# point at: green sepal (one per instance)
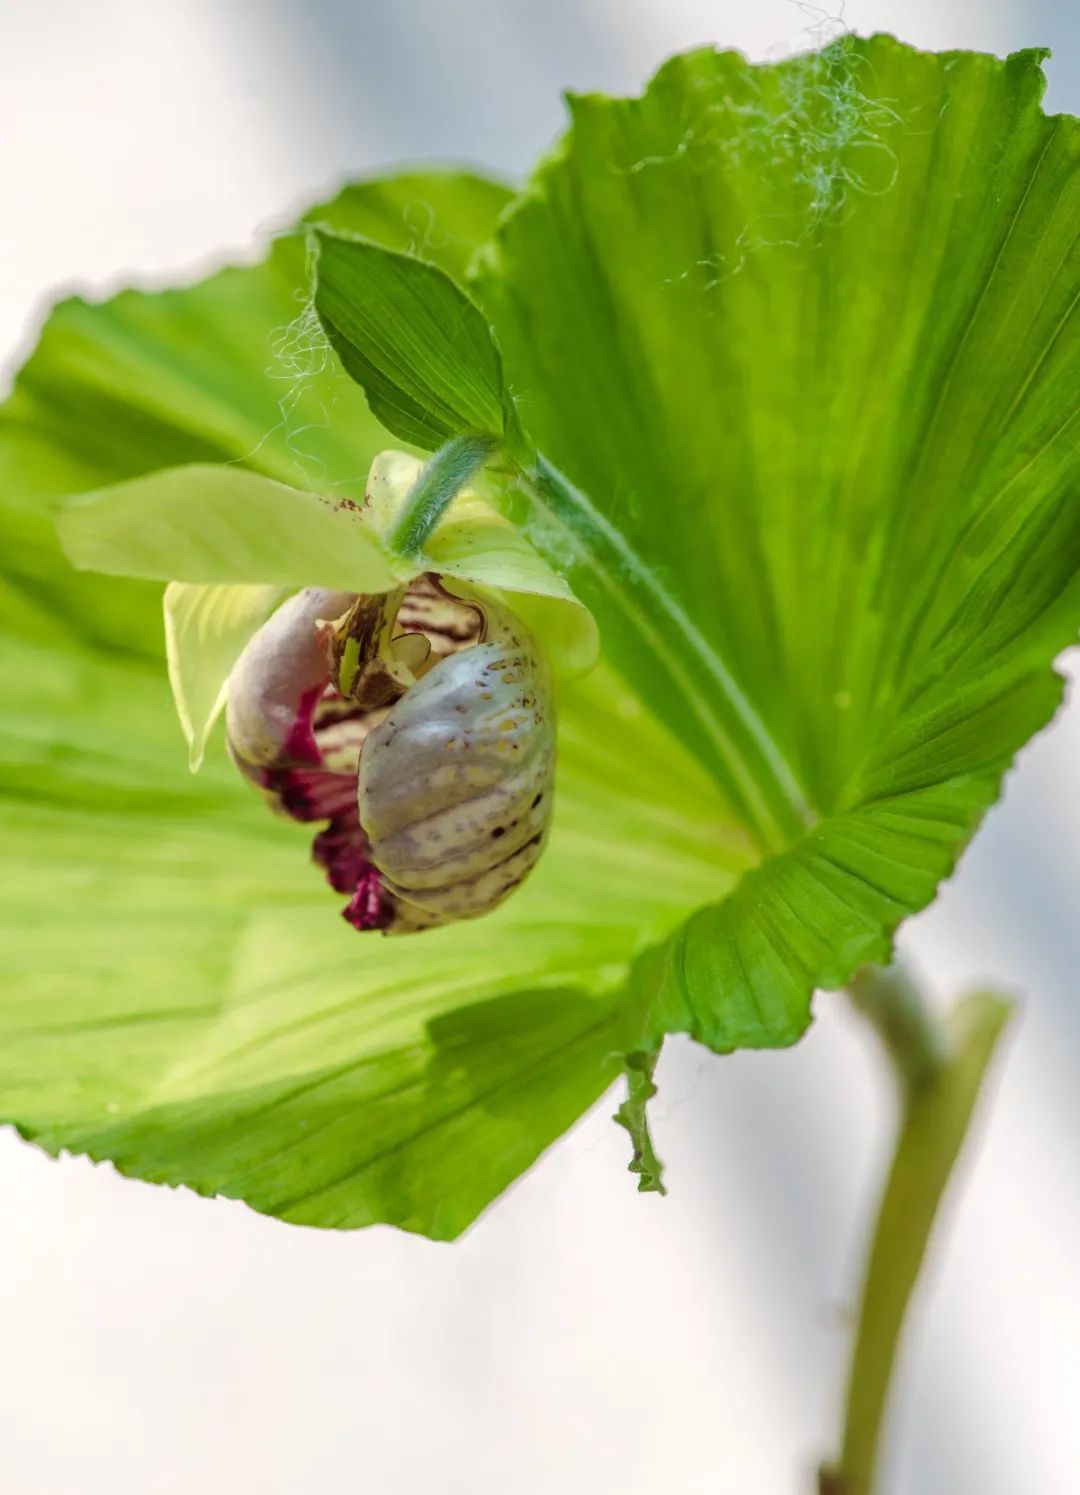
(214, 525)
(206, 629)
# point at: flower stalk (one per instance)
(442, 478)
(940, 1066)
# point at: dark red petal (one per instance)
(370, 907)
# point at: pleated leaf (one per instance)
(805, 340)
(179, 994)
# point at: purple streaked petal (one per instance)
(279, 679)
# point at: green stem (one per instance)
(441, 480)
(914, 1036)
(940, 1067)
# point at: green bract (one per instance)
(783, 362)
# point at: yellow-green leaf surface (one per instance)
(180, 995)
(182, 998)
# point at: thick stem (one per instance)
(940, 1067)
(441, 480)
(914, 1035)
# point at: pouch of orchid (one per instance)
(430, 752)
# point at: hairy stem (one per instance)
(441, 480)
(940, 1067)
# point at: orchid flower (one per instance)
(434, 801)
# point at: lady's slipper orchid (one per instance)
(412, 717)
(455, 780)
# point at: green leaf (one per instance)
(206, 629)
(440, 216)
(800, 346)
(181, 998)
(411, 338)
(179, 994)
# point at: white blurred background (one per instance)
(581, 1338)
